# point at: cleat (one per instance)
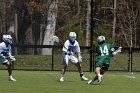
(83, 78)
(11, 78)
(90, 81)
(99, 81)
(61, 79)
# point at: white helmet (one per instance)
(72, 37)
(101, 38)
(7, 39)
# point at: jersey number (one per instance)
(104, 51)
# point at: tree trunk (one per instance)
(88, 21)
(114, 23)
(50, 27)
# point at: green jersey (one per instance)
(104, 54)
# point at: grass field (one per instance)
(48, 82)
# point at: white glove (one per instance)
(79, 59)
(117, 51)
(12, 58)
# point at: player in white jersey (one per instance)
(5, 55)
(71, 52)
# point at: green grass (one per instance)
(48, 82)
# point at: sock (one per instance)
(100, 76)
(81, 74)
(61, 75)
(10, 76)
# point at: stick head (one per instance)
(55, 39)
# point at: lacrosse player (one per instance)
(5, 55)
(104, 52)
(71, 52)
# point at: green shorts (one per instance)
(102, 65)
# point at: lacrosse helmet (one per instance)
(72, 37)
(101, 39)
(7, 39)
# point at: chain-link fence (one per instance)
(126, 61)
(24, 61)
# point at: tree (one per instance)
(50, 27)
(127, 14)
(6, 16)
(88, 21)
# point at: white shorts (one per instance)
(67, 58)
(3, 60)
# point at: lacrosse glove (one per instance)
(79, 59)
(12, 58)
(117, 51)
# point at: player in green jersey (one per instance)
(104, 52)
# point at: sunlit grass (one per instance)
(48, 82)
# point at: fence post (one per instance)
(91, 39)
(94, 60)
(130, 60)
(52, 59)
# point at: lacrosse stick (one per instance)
(56, 39)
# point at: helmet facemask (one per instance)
(72, 40)
(72, 37)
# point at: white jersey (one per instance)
(5, 49)
(71, 48)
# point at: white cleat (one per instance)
(11, 78)
(61, 79)
(83, 78)
(90, 82)
(99, 81)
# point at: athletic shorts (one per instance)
(102, 65)
(67, 58)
